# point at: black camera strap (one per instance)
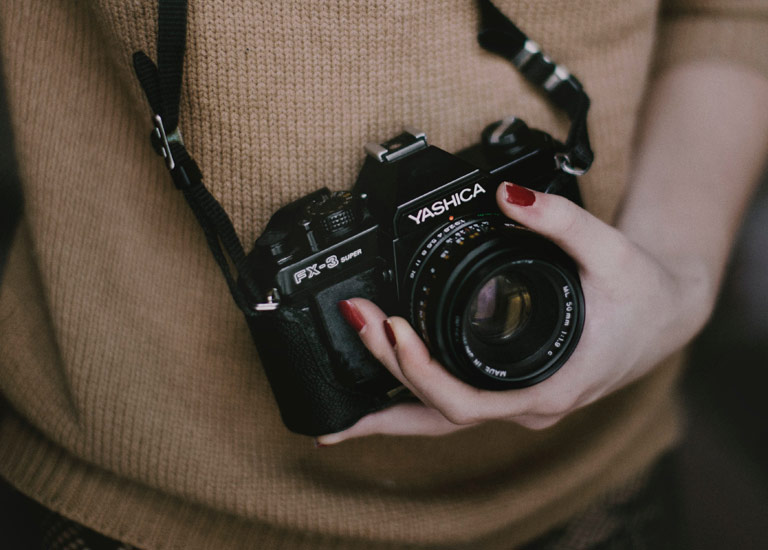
(500, 36)
(162, 85)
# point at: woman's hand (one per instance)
(638, 310)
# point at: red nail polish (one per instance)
(519, 195)
(319, 445)
(351, 315)
(390, 333)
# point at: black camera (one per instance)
(420, 235)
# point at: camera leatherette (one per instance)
(298, 368)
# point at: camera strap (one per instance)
(162, 86)
(500, 36)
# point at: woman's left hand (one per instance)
(639, 309)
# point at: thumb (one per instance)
(582, 236)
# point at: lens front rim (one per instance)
(438, 311)
(551, 336)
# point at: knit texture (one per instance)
(136, 402)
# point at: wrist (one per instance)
(694, 284)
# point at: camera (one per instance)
(420, 235)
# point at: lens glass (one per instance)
(500, 309)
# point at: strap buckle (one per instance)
(529, 49)
(162, 142)
(537, 67)
(558, 76)
(183, 169)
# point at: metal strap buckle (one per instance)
(530, 48)
(558, 76)
(164, 141)
(539, 68)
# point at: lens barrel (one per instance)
(498, 305)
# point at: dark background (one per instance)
(723, 461)
(724, 458)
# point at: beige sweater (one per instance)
(137, 404)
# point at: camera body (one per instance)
(420, 235)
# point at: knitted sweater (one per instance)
(136, 402)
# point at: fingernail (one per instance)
(351, 315)
(518, 195)
(319, 445)
(390, 333)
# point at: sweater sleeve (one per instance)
(732, 30)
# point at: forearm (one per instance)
(701, 145)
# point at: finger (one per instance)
(366, 317)
(404, 419)
(582, 236)
(460, 403)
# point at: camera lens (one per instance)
(498, 305)
(500, 309)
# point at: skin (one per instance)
(650, 281)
